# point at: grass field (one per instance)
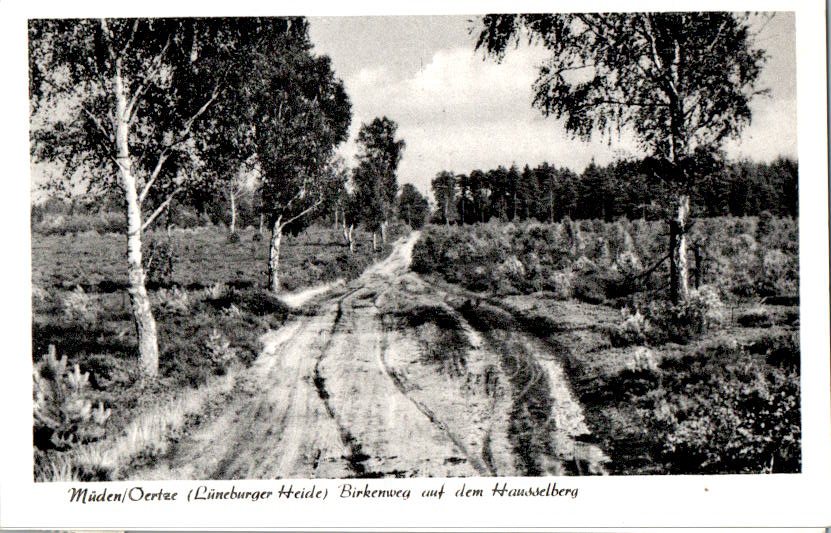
(210, 308)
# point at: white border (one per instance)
(628, 501)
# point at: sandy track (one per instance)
(348, 392)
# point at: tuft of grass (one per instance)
(440, 335)
(147, 435)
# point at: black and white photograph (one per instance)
(539, 246)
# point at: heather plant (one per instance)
(756, 317)
(687, 319)
(63, 412)
(643, 360)
(216, 291)
(560, 283)
(738, 417)
(175, 300)
(220, 353)
(39, 293)
(80, 306)
(632, 331)
(777, 275)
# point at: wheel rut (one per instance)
(354, 388)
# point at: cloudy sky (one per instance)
(457, 111)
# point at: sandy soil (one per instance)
(348, 391)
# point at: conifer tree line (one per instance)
(548, 193)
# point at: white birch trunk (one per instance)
(139, 302)
(233, 228)
(274, 257)
(679, 265)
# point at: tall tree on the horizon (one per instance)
(682, 82)
(379, 154)
(412, 206)
(444, 191)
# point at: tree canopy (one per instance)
(681, 81)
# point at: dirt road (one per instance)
(390, 376)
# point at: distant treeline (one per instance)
(621, 189)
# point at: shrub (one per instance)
(632, 331)
(643, 360)
(39, 293)
(780, 350)
(175, 300)
(63, 413)
(216, 291)
(687, 319)
(79, 306)
(778, 275)
(730, 413)
(220, 352)
(560, 283)
(758, 317)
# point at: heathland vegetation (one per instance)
(205, 148)
(710, 384)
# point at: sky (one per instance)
(457, 110)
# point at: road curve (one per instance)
(355, 387)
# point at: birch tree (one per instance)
(445, 192)
(119, 100)
(681, 82)
(378, 158)
(300, 112)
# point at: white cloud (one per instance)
(459, 112)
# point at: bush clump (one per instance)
(78, 306)
(727, 411)
(220, 352)
(158, 259)
(632, 331)
(63, 412)
(687, 319)
(758, 317)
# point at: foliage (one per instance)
(595, 261)
(717, 406)
(174, 300)
(633, 329)
(662, 74)
(412, 206)
(685, 320)
(375, 176)
(80, 306)
(299, 111)
(755, 318)
(738, 416)
(624, 188)
(444, 191)
(159, 260)
(63, 412)
(220, 353)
